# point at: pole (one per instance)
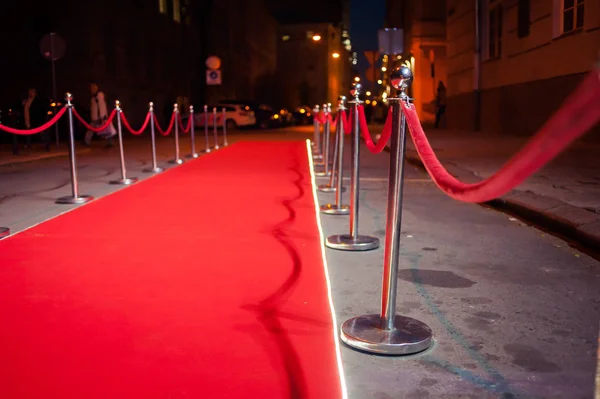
(354, 241)
(192, 122)
(215, 131)
(177, 160)
(206, 144)
(388, 333)
(318, 155)
(4, 232)
(326, 143)
(123, 180)
(154, 168)
(331, 186)
(52, 34)
(225, 143)
(75, 198)
(338, 208)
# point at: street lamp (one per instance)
(356, 79)
(316, 38)
(335, 55)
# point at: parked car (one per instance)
(236, 115)
(266, 115)
(302, 115)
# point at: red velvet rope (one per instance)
(171, 124)
(189, 124)
(95, 129)
(385, 134)
(128, 126)
(37, 129)
(579, 113)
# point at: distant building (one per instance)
(136, 52)
(243, 33)
(312, 71)
(533, 54)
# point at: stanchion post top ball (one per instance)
(206, 108)
(401, 78)
(151, 104)
(191, 109)
(69, 98)
(175, 108)
(356, 91)
(316, 108)
(342, 103)
(118, 105)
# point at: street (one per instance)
(514, 311)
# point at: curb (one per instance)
(40, 157)
(545, 219)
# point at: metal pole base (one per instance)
(193, 156)
(178, 161)
(153, 170)
(125, 182)
(345, 242)
(323, 174)
(206, 151)
(4, 232)
(326, 188)
(226, 144)
(216, 147)
(318, 157)
(333, 209)
(82, 199)
(365, 333)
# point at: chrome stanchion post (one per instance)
(206, 144)
(123, 180)
(75, 198)
(388, 333)
(4, 232)
(225, 143)
(336, 183)
(215, 130)
(331, 186)
(192, 123)
(177, 159)
(154, 168)
(318, 155)
(354, 241)
(326, 143)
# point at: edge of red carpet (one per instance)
(336, 337)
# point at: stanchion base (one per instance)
(125, 182)
(226, 144)
(365, 333)
(193, 156)
(153, 170)
(326, 188)
(216, 147)
(177, 161)
(82, 199)
(333, 209)
(4, 232)
(345, 242)
(207, 150)
(323, 174)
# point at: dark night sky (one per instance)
(366, 17)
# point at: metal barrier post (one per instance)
(336, 184)
(388, 333)
(326, 143)
(4, 232)
(206, 144)
(354, 241)
(75, 198)
(215, 131)
(225, 143)
(318, 155)
(123, 180)
(154, 168)
(178, 160)
(192, 123)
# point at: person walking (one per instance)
(99, 116)
(440, 101)
(35, 112)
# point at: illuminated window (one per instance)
(162, 6)
(176, 11)
(285, 38)
(572, 15)
(495, 29)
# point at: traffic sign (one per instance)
(52, 47)
(213, 77)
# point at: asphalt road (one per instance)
(513, 310)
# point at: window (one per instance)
(285, 38)
(162, 6)
(572, 15)
(495, 29)
(176, 11)
(524, 18)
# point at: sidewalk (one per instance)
(34, 153)
(563, 197)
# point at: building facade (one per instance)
(312, 71)
(512, 63)
(137, 52)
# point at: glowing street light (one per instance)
(383, 69)
(368, 93)
(316, 38)
(356, 79)
(379, 81)
(335, 55)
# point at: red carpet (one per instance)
(204, 282)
